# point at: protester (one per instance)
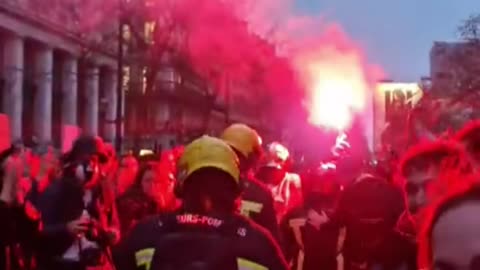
(202, 207)
(79, 227)
(206, 233)
(20, 222)
(307, 228)
(126, 174)
(369, 210)
(450, 239)
(284, 185)
(151, 194)
(469, 137)
(426, 173)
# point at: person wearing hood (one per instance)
(21, 223)
(79, 226)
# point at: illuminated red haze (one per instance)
(337, 80)
(216, 37)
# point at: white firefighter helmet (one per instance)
(277, 155)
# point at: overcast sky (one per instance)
(397, 34)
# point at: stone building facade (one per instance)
(179, 106)
(178, 109)
(55, 74)
(50, 78)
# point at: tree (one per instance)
(212, 41)
(441, 115)
(469, 30)
(163, 42)
(466, 61)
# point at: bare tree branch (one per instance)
(470, 28)
(466, 61)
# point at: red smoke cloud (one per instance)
(332, 69)
(320, 66)
(216, 41)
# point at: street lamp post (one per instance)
(120, 120)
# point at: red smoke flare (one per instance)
(332, 69)
(337, 79)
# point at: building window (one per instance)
(144, 80)
(127, 34)
(149, 28)
(469, 52)
(443, 75)
(126, 79)
(440, 50)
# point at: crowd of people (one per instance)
(231, 203)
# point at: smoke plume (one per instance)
(281, 59)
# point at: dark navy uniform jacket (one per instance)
(181, 241)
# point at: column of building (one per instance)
(13, 60)
(91, 95)
(111, 105)
(13, 54)
(69, 90)
(43, 77)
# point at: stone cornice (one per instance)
(18, 21)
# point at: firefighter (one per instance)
(206, 233)
(257, 200)
(285, 186)
(308, 228)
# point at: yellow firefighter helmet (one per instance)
(207, 152)
(244, 139)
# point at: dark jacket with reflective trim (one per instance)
(186, 241)
(257, 204)
(307, 247)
